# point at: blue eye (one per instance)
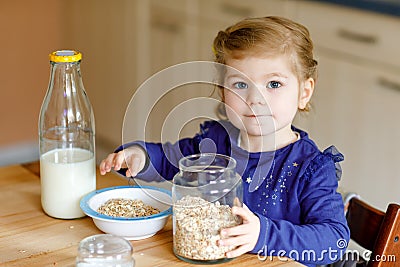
(274, 85)
(240, 85)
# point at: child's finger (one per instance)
(135, 166)
(119, 161)
(102, 167)
(243, 212)
(234, 241)
(236, 230)
(128, 173)
(108, 162)
(240, 250)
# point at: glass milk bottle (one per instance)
(203, 193)
(66, 139)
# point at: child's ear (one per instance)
(306, 92)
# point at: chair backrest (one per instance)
(376, 231)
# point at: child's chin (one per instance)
(260, 131)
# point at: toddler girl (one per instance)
(291, 207)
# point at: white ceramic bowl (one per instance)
(129, 228)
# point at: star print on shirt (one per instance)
(248, 180)
(276, 188)
(270, 179)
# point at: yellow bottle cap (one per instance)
(65, 56)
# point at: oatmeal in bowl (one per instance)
(133, 212)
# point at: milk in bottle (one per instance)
(66, 139)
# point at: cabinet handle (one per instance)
(166, 26)
(356, 36)
(384, 82)
(235, 10)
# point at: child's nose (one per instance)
(255, 96)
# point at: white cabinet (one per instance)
(355, 108)
(216, 15)
(356, 103)
(360, 35)
(171, 40)
(105, 33)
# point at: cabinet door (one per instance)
(168, 41)
(354, 32)
(355, 108)
(103, 32)
(217, 15)
(231, 11)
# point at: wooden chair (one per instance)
(376, 231)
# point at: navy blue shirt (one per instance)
(292, 190)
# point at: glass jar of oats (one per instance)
(204, 191)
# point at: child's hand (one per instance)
(243, 236)
(133, 158)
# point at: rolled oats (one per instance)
(197, 226)
(129, 208)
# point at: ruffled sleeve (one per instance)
(331, 154)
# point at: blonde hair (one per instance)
(268, 36)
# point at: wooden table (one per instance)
(28, 237)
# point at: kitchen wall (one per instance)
(30, 30)
(33, 29)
